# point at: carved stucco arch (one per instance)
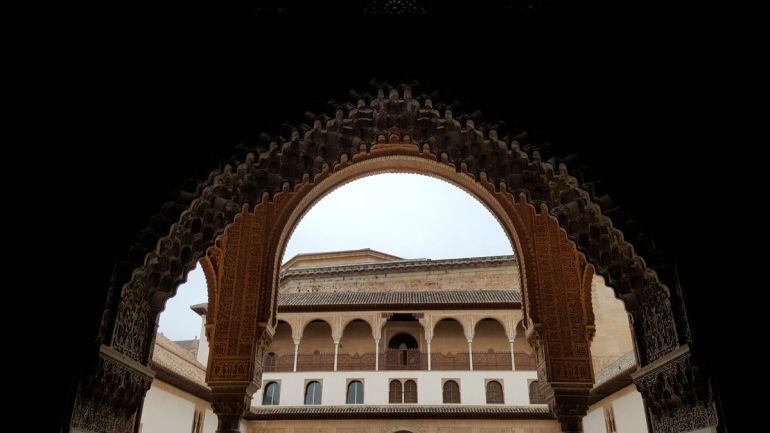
(184, 231)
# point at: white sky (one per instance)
(407, 215)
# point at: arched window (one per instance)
(494, 392)
(313, 393)
(394, 396)
(410, 391)
(355, 392)
(272, 394)
(451, 392)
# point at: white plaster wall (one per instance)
(629, 413)
(593, 422)
(210, 421)
(376, 386)
(164, 412)
(203, 344)
(628, 408)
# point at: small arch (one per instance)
(272, 394)
(402, 341)
(395, 393)
(355, 393)
(451, 392)
(489, 335)
(495, 392)
(410, 391)
(357, 337)
(316, 337)
(459, 322)
(313, 392)
(449, 337)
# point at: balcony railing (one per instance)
(403, 359)
(400, 359)
(364, 362)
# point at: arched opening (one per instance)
(280, 353)
(491, 349)
(403, 352)
(396, 392)
(272, 394)
(316, 349)
(355, 394)
(402, 342)
(356, 350)
(313, 392)
(449, 346)
(451, 391)
(494, 392)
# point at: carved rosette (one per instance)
(108, 399)
(677, 395)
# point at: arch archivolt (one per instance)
(239, 221)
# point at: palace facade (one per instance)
(368, 342)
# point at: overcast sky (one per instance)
(407, 215)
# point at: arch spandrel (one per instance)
(272, 185)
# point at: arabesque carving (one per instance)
(560, 229)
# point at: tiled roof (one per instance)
(406, 265)
(399, 411)
(480, 298)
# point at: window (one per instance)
(272, 394)
(609, 419)
(494, 392)
(395, 394)
(313, 393)
(410, 391)
(451, 392)
(355, 392)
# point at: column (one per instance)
(336, 349)
(296, 352)
(513, 362)
(429, 355)
(376, 354)
(470, 353)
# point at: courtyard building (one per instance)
(368, 342)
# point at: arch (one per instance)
(440, 318)
(450, 391)
(410, 391)
(494, 392)
(448, 338)
(272, 394)
(313, 392)
(395, 391)
(402, 340)
(355, 392)
(493, 336)
(557, 229)
(316, 338)
(357, 337)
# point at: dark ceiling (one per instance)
(643, 113)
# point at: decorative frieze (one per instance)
(108, 400)
(676, 394)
